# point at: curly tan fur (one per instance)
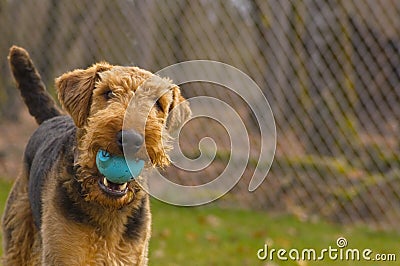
(57, 213)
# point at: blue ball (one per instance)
(117, 169)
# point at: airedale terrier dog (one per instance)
(62, 209)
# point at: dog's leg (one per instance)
(18, 228)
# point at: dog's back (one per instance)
(50, 141)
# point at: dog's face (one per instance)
(97, 100)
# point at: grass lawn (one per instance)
(209, 235)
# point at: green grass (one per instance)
(5, 187)
(209, 235)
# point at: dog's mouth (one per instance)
(113, 189)
(117, 172)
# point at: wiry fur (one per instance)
(31, 87)
(56, 213)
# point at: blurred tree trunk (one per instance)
(276, 48)
(141, 21)
(9, 101)
(45, 62)
(330, 84)
(295, 103)
(178, 33)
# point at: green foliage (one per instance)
(324, 165)
(378, 158)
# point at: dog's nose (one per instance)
(130, 142)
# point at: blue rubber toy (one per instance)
(117, 169)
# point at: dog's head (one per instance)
(119, 109)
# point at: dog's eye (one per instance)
(108, 94)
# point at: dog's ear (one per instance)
(75, 91)
(179, 112)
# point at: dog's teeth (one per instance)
(105, 182)
(123, 186)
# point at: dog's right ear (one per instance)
(75, 91)
(179, 112)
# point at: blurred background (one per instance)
(329, 69)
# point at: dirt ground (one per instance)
(15, 135)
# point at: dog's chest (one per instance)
(98, 250)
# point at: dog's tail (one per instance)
(40, 104)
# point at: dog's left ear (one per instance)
(179, 112)
(75, 91)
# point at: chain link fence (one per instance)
(329, 69)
